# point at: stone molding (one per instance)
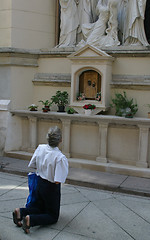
(120, 51)
(52, 79)
(132, 81)
(16, 57)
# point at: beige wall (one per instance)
(28, 24)
(5, 23)
(121, 66)
(54, 65)
(21, 87)
(131, 66)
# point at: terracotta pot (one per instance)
(45, 110)
(33, 109)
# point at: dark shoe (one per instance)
(16, 220)
(25, 225)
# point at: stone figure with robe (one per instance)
(96, 22)
(69, 23)
(74, 13)
(104, 32)
(131, 22)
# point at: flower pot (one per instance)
(88, 112)
(45, 109)
(33, 109)
(61, 108)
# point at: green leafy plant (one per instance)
(61, 98)
(80, 96)
(124, 107)
(70, 110)
(98, 96)
(33, 107)
(46, 103)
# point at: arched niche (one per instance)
(89, 84)
(91, 74)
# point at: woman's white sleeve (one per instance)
(61, 170)
(32, 163)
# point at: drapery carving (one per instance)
(103, 22)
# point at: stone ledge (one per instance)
(5, 105)
(106, 119)
(120, 51)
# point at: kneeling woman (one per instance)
(52, 168)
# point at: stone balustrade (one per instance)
(102, 138)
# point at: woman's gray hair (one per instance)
(54, 136)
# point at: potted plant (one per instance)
(60, 99)
(33, 107)
(80, 96)
(98, 96)
(70, 110)
(88, 108)
(46, 105)
(124, 107)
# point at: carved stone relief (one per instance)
(104, 23)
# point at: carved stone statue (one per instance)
(87, 14)
(104, 31)
(96, 22)
(111, 38)
(93, 32)
(69, 23)
(131, 22)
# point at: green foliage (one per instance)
(46, 103)
(61, 98)
(70, 110)
(124, 107)
(33, 107)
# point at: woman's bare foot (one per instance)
(17, 217)
(26, 224)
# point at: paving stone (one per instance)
(92, 222)
(128, 220)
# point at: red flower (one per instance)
(89, 106)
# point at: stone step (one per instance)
(92, 165)
(19, 155)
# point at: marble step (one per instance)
(92, 165)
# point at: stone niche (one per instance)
(91, 74)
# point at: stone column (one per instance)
(143, 147)
(103, 131)
(66, 123)
(32, 133)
